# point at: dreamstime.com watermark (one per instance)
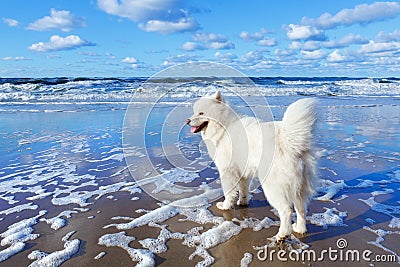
(338, 254)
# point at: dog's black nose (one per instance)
(187, 121)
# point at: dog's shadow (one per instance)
(357, 210)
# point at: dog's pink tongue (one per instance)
(194, 128)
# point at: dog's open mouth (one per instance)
(196, 129)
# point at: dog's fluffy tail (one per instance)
(295, 133)
(295, 142)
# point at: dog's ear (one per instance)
(218, 96)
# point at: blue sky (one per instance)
(125, 38)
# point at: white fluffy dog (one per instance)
(279, 153)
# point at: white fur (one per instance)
(280, 154)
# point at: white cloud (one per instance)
(208, 41)
(337, 57)
(89, 54)
(312, 55)
(58, 43)
(259, 37)
(165, 16)
(224, 57)
(353, 39)
(253, 57)
(250, 37)
(282, 53)
(140, 10)
(58, 20)
(130, 60)
(307, 46)
(110, 55)
(209, 37)
(166, 27)
(178, 59)
(360, 14)
(267, 42)
(388, 37)
(133, 63)
(350, 39)
(304, 32)
(11, 22)
(221, 45)
(373, 47)
(14, 58)
(191, 46)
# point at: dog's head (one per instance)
(206, 110)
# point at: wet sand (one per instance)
(230, 253)
(351, 149)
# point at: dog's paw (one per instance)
(300, 229)
(242, 202)
(222, 206)
(280, 238)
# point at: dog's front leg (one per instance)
(243, 191)
(230, 191)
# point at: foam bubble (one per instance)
(19, 208)
(382, 208)
(331, 217)
(395, 222)
(144, 257)
(168, 211)
(100, 255)
(56, 258)
(329, 189)
(55, 222)
(246, 260)
(380, 233)
(382, 192)
(11, 250)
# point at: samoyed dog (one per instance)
(278, 153)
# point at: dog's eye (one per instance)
(201, 113)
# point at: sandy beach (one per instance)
(70, 196)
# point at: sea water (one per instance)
(62, 142)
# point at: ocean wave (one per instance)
(99, 90)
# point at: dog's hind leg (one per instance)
(243, 191)
(279, 199)
(300, 225)
(285, 228)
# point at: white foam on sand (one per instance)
(382, 208)
(215, 236)
(19, 208)
(143, 256)
(17, 234)
(55, 258)
(329, 189)
(256, 224)
(170, 210)
(55, 222)
(100, 255)
(331, 217)
(11, 250)
(158, 245)
(381, 234)
(382, 192)
(167, 180)
(208, 239)
(246, 260)
(395, 222)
